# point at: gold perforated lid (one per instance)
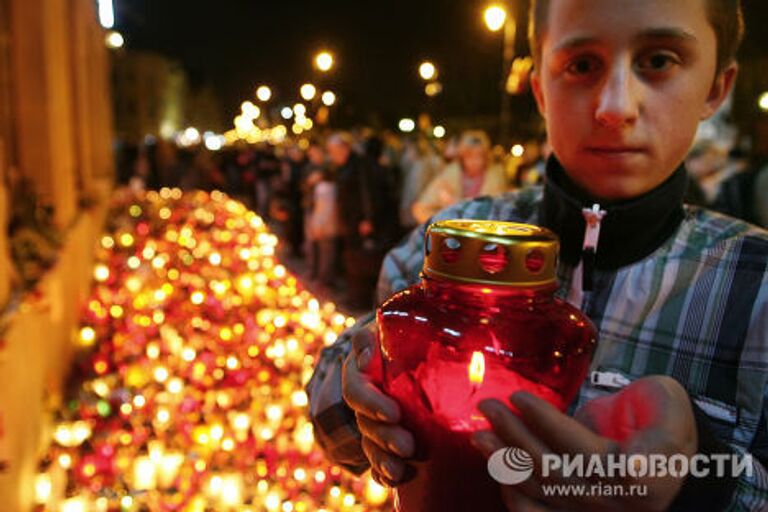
(491, 252)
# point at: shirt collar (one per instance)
(630, 230)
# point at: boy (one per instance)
(679, 294)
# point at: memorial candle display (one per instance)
(187, 391)
(482, 323)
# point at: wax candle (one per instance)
(144, 474)
(168, 468)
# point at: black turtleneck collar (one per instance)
(631, 229)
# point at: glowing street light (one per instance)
(214, 142)
(433, 89)
(190, 137)
(438, 131)
(517, 150)
(114, 39)
(324, 61)
(300, 110)
(495, 16)
(250, 110)
(308, 91)
(106, 13)
(427, 70)
(286, 113)
(328, 98)
(763, 102)
(407, 125)
(263, 93)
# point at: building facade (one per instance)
(55, 154)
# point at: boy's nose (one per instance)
(618, 103)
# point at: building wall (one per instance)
(56, 132)
(5, 132)
(152, 96)
(204, 110)
(150, 92)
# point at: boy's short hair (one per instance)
(725, 16)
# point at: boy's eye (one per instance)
(581, 66)
(657, 62)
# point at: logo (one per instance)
(510, 466)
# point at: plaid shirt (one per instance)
(696, 309)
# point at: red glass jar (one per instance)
(483, 322)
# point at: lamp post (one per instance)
(762, 102)
(308, 91)
(427, 71)
(324, 61)
(497, 18)
(264, 93)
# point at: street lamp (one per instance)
(427, 71)
(250, 110)
(308, 91)
(324, 61)
(106, 13)
(299, 110)
(114, 39)
(496, 18)
(263, 93)
(433, 89)
(329, 98)
(407, 125)
(763, 102)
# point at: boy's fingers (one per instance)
(381, 479)
(392, 468)
(510, 429)
(363, 341)
(365, 398)
(487, 442)
(559, 432)
(387, 436)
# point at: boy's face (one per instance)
(622, 85)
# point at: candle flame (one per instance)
(477, 368)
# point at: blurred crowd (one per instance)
(341, 201)
(730, 180)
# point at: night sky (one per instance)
(235, 45)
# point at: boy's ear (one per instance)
(537, 94)
(720, 88)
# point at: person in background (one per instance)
(705, 164)
(267, 168)
(471, 175)
(292, 169)
(420, 164)
(761, 196)
(323, 227)
(355, 192)
(736, 193)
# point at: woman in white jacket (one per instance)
(323, 228)
(470, 176)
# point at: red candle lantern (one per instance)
(483, 322)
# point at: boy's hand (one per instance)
(652, 415)
(384, 442)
